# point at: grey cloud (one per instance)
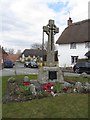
(16, 43)
(10, 22)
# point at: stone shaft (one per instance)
(51, 30)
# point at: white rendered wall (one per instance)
(65, 53)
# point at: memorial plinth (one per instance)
(50, 74)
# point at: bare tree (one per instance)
(9, 50)
(18, 52)
(36, 46)
(39, 46)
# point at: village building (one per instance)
(37, 55)
(74, 43)
(13, 57)
(3, 55)
(7, 56)
(32, 54)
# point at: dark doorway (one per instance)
(52, 75)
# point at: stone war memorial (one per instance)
(51, 72)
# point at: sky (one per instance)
(21, 21)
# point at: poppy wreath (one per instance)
(47, 87)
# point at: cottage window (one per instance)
(73, 46)
(74, 59)
(87, 44)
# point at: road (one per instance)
(19, 69)
(26, 71)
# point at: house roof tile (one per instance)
(33, 52)
(37, 52)
(75, 33)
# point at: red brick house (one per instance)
(13, 57)
(3, 55)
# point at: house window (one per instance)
(73, 46)
(87, 44)
(74, 59)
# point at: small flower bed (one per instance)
(67, 90)
(24, 87)
(26, 83)
(26, 90)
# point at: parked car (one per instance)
(31, 64)
(82, 67)
(8, 64)
(26, 64)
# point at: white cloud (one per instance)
(89, 9)
(22, 20)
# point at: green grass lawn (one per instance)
(77, 78)
(63, 106)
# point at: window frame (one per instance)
(87, 44)
(74, 59)
(73, 45)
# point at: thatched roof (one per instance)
(33, 52)
(37, 52)
(75, 33)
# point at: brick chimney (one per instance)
(69, 22)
